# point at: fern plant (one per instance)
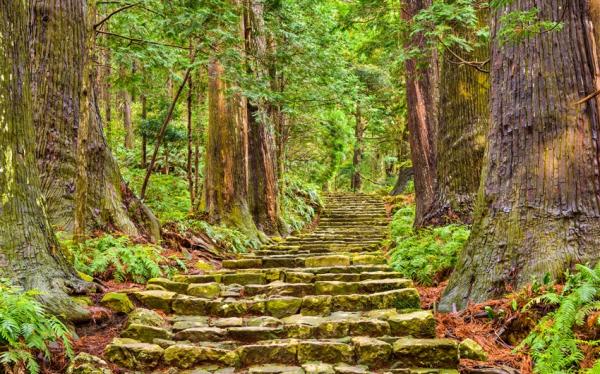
(425, 254)
(26, 329)
(110, 257)
(553, 343)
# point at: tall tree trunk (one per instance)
(422, 100)
(359, 132)
(127, 125)
(263, 186)
(538, 208)
(190, 137)
(463, 123)
(58, 37)
(225, 197)
(29, 253)
(144, 138)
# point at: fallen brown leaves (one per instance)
(474, 323)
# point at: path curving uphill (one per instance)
(321, 302)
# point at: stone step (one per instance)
(323, 248)
(279, 306)
(295, 249)
(309, 261)
(371, 352)
(291, 277)
(280, 288)
(335, 241)
(324, 287)
(387, 325)
(341, 236)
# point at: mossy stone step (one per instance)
(371, 352)
(419, 324)
(407, 298)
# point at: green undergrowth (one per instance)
(169, 198)
(118, 258)
(301, 202)
(26, 330)
(427, 255)
(562, 337)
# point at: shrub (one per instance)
(26, 329)
(300, 204)
(554, 343)
(109, 257)
(425, 255)
(230, 239)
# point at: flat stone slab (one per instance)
(426, 353)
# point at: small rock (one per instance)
(336, 288)
(186, 356)
(372, 352)
(85, 363)
(200, 334)
(146, 317)
(145, 334)
(258, 354)
(299, 277)
(368, 260)
(349, 369)
(119, 302)
(228, 322)
(326, 261)
(168, 284)
(246, 263)
(265, 321)
(156, 299)
(205, 290)
(318, 368)
(471, 350)
(282, 307)
(275, 369)
(133, 355)
(316, 305)
(419, 324)
(426, 352)
(244, 278)
(324, 351)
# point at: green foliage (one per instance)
(300, 204)
(554, 344)
(227, 238)
(518, 26)
(26, 329)
(168, 195)
(109, 257)
(426, 254)
(439, 24)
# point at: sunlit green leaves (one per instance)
(520, 25)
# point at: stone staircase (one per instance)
(322, 302)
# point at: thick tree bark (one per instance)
(225, 197)
(405, 174)
(422, 100)
(263, 187)
(30, 256)
(58, 55)
(462, 128)
(538, 210)
(359, 132)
